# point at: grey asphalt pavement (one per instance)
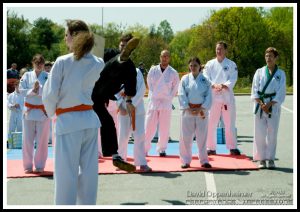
(232, 189)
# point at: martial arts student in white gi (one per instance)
(194, 95)
(112, 108)
(36, 123)
(268, 93)
(67, 94)
(222, 74)
(163, 81)
(15, 103)
(125, 125)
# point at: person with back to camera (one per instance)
(67, 95)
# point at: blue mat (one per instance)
(173, 149)
(16, 154)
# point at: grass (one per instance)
(248, 89)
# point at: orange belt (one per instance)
(30, 106)
(194, 105)
(75, 108)
(197, 106)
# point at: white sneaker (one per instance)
(271, 164)
(262, 164)
(28, 171)
(39, 170)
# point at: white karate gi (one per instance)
(223, 102)
(162, 89)
(35, 122)
(194, 91)
(70, 84)
(265, 128)
(15, 118)
(125, 126)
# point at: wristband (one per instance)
(128, 101)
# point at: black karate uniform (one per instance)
(113, 78)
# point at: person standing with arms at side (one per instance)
(119, 72)
(194, 95)
(15, 103)
(67, 94)
(36, 123)
(125, 125)
(163, 81)
(222, 74)
(268, 93)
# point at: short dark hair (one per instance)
(222, 43)
(195, 59)
(273, 50)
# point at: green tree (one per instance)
(138, 30)
(280, 23)
(18, 36)
(148, 51)
(243, 29)
(47, 38)
(165, 30)
(178, 49)
(43, 34)
(112, 33)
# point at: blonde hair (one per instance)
(38, 58)
(22, 72)
(83, 38)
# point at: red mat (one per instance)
(158, 164)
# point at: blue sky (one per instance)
(180, 16)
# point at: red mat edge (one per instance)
(192, 168)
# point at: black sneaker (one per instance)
(235, 152)
(123, 165)
(211, 152)
(162, 154)
(206, 165)
(185, 166)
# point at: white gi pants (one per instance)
(76, 168)
(154, 118)
(15, 121)
(37, 131)
(191, 126)
(125, 129)
(217, 109)
(265, 134)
